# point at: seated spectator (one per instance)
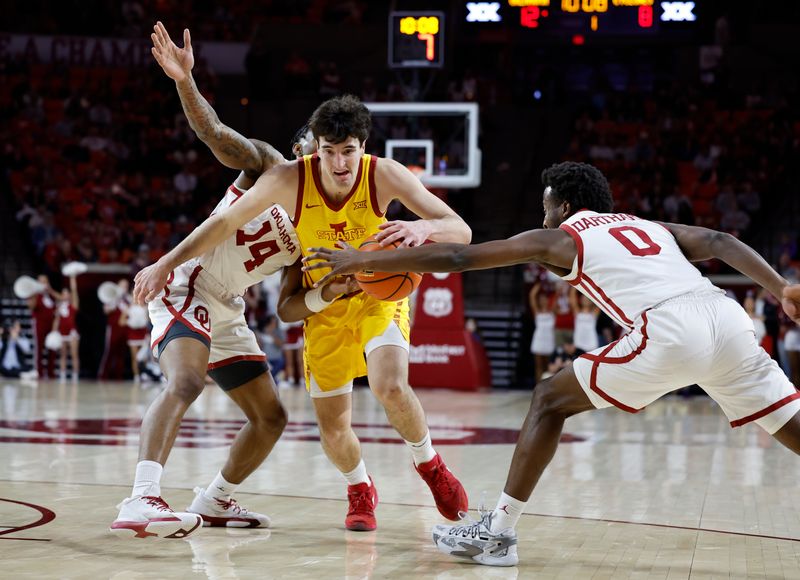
(185, 181)
(297, 72)
(749, 198)
(563, 355)
(330, 82)
(678, 207)
(14, 348)
(735, 220)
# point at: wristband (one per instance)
(314, 300)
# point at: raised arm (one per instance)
(532, 298)
(439, 222)
(73, 291)
(549, 247)
(278, 185)
(573, 301)
(231, 148)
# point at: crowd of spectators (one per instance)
(677, 155)
(94, 177)
(233, 21)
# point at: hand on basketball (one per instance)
(344, 261)
(791, 302)
(148, 283)
(408, 234)
(344, 285)
(176, 62)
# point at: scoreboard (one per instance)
(582, 19)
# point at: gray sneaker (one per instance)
(476, 542)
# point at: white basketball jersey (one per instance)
(626, 265)
(263, 246)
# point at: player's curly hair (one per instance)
(339, 118)
(581, 184)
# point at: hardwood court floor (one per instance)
(672, 492)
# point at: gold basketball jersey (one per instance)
(321, 222)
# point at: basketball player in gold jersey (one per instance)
(341, 193)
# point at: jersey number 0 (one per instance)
(643, 246)
(260, 251)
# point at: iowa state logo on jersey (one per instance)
(340, 231)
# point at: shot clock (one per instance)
(416, 39)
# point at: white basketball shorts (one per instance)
(194, 298)
(705, 339)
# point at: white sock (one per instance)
(220, 488)
(423, 450)
(147, 480)
(506, 514)
(358, 475)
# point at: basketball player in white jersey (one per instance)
(682, 330)
(199, 326)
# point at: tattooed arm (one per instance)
(231, 148)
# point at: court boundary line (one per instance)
(401, 504)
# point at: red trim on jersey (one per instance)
(602, 358)
(301, 187)
(618, 360)
(235, 190)
(599, 303)
(607, 300)
(599, 295)
(233, 359)
(178, 315)
(318, 182)
(763, 412)
(157, 341)
(373, 190)
(579, 243)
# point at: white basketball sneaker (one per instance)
(146, 516)
(476, 541)
(225, 513)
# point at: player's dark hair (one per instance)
(340, 118)
(581, 184)
(301, 132)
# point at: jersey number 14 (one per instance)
(261, 251)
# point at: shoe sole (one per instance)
(466, 552)
(360, 527)
(215, 522)
(171, 528)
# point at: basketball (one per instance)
(389, 286)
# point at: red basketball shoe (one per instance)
(363, 499)
(447, 491)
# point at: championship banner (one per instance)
(443, 352)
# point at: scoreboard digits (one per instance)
(615, 18)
